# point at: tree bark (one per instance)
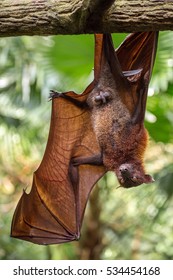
(51, 17)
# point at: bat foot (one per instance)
(102, 98)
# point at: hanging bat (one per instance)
(99, 130)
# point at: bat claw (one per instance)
(54, 94)
(77, 236)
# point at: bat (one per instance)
(90, 133)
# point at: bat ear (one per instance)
(133, 76)
(148, 179)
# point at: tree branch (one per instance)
(51, 17)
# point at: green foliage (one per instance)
(160, 101)
(136, 223)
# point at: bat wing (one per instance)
(53, 211)
(131, 66)
(138, 52)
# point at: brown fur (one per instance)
(122, 142)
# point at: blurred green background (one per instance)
(119, 224)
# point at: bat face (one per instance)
(132, 175)
(99, 130)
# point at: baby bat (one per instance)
(99, 130)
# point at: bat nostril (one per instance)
(123, 169)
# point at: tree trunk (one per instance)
(91, 244)
(51, 17)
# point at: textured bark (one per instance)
(51, 17)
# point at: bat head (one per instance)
(132, 175)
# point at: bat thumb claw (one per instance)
(54, 94)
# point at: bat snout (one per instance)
(124, 170)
